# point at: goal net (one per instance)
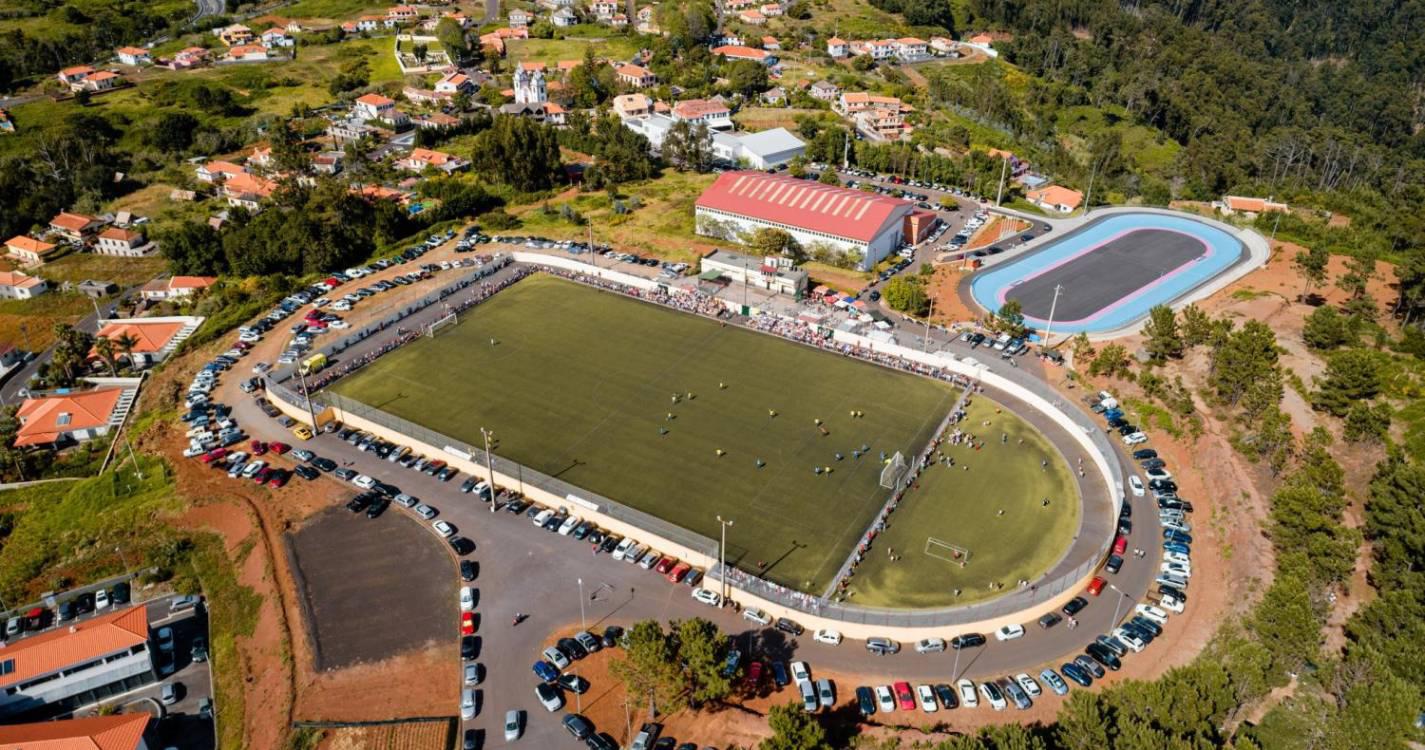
(893, 472)
(439, 325)
(943, 550)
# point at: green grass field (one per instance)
(962, 508)
(580, 384)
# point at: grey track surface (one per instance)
(361, 606)
(1106, 274)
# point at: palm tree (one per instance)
(105, 349)
(127, 342)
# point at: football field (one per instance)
(672, 414)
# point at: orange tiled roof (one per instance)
(76, 70)
(250, 183)
(41, 425)
(192, 282)
(435, 158)
(18, 279)
(31, 244)
(152, 335)
(132, 51)
(103, 75)
(246, 49)
(375, 100)
(695, 108)
(120, 234)
(119, 732)
(71, 222)
(1057, 196)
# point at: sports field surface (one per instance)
(962, 508)
(579, 384)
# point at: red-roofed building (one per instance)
(64, 418)
(1055, 198)
(244, 190)
(753, 17)
(402, 14)
(738, 52)
(247, 52)
(218, 171)
(176, 287)
(853, 221)
(156, 337)
(67, 667)
(422, 158)
(75, 74)
(134, 55)
(20, 285)
(709, 112)
(29, 250)
(74, 227)
(636, 75)
(118, 732)
(1250, 207)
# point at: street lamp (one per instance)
(1117, 606)
(489, 465)
(722, 554)
(1053, 306)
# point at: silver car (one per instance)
(514, 723)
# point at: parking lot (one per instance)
(368, 586)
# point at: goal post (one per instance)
(894, 471)
(440, 324)
(943, 550)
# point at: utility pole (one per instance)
(845, 151)
(1003, 170)
(925, 343)
(722, 555)
(1049, 331)
(490, 466)
(593, 254)
(1088, 199)
(307, 395)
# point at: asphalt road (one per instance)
(524, 569)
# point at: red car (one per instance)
(278, 448)
(467, 623)
(754, 676)
(258, 447)
(1120, 543)
(1096, 585)
(676, 574)
(278, 478)
(262, 475)
(215, 454)
(665, 565)
(905, 699)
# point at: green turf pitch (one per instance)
(963, 508)
(580, 385)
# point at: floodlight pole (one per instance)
(1117, 606)
(1049, 330)
(489, 465)
(925, 343)
(1004, 168)
(722, 555)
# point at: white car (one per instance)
(619, 551)
(1136, 485)
(1171, 604)
(756, 615)
(1136, 438)
(543, 516)
(444, 528)
(363, 481)
(549, 697)
(829, 637)
(885, 702)
(467, 704)
(710, 598)
(968, 697)
(101, 600)
(467, 598)
(568, 525)
(339, 325)
(1129, 640)
(425, 511)
(1029, 684)
(1161, 474)
(994, 695)
(556, 657)
(800, 672)
(927, 699)
(512, 725)
(251, 469)
(1009, 632)
(473, 674)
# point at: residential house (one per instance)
(248, 53)
(565, 66)
(771, 44)
(91, 659)
(176, 287)
(125, 243)
(328, 162)
(190, 57)
(369, 24)
(644, 18)
(1250, 208)
(982, 40)
(423, 96)
(709, 112)
(851, 103)
(618, 21)
(20, 285)
(74, 227)
(134, 56)
(556, 4)
(878, 117)
(116, 732)
(248, 191)
(775, 96)
(636, 75)
(103, 80)
(910, 49)
(154, 338)
(1017, 167)
(349, 27)
(421, 159)
(943, 46)
(277, 37)
(28, 250)
(261, 156)
(374, 107)
(217, 171)
(604, 9)
(752, 17)
(732, 6)
(520, 18)
(739, 52)
(351, 129)
(727, 40)
(63, 418)
(234, 35)
(771, 10)
(74, 76)
(1055, 198)
(402, 14)
(825, 91)
(459, 18)
(563, 18)
(632, 105)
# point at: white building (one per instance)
(125, 243)
(762, 150)
(20, 285)
(530, 87)
(68, 667)
(867, 225)
(770, 273)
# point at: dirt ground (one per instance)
(950, 307)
